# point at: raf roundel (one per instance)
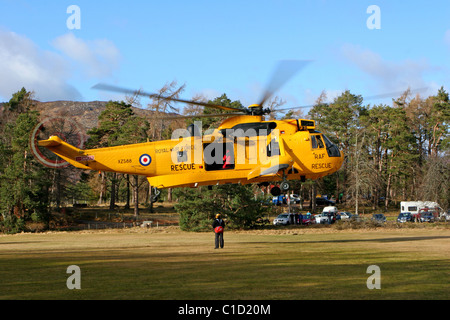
(145, 160)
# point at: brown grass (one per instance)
(283, 263)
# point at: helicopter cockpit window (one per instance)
(317, 142)
(313, 142)
(332, 149)
(320, 143)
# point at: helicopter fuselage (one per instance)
(244, 149)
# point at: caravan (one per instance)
(416, 208)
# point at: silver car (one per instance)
(282, 219)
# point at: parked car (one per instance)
(345, 215)
(445, 216)
(325, 218)
(282, 219)
(322, 218)
(294, 198)
(427, 217)
(308, 219)
(379, 217)
(404, 217)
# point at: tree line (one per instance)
(393, 153)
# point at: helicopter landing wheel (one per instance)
(284, 186)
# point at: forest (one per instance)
(394, 153)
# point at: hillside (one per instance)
(85, 113)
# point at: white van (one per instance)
(331, 209)
(323, 217)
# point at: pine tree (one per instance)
(134, 130)
(340, 120)
(24, 183)
(108, 134)
(439, 122)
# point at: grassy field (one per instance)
(285, 263)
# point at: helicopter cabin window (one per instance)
(218, 156)
(317, 142)
(273, 148)
(182, 156)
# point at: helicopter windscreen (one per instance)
(332, 149)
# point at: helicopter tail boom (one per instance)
(64, 150)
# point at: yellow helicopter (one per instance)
(243, 149)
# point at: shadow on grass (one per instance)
(382, 240)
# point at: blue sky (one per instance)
(217, 47)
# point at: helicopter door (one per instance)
(218, 156)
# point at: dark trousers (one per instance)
(219, 240)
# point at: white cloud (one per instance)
(97, 58)
(388, 76)
(23, 64)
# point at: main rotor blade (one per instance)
(107, 87)
(284, 71)
(203, 116)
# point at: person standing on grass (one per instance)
(218, 226)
